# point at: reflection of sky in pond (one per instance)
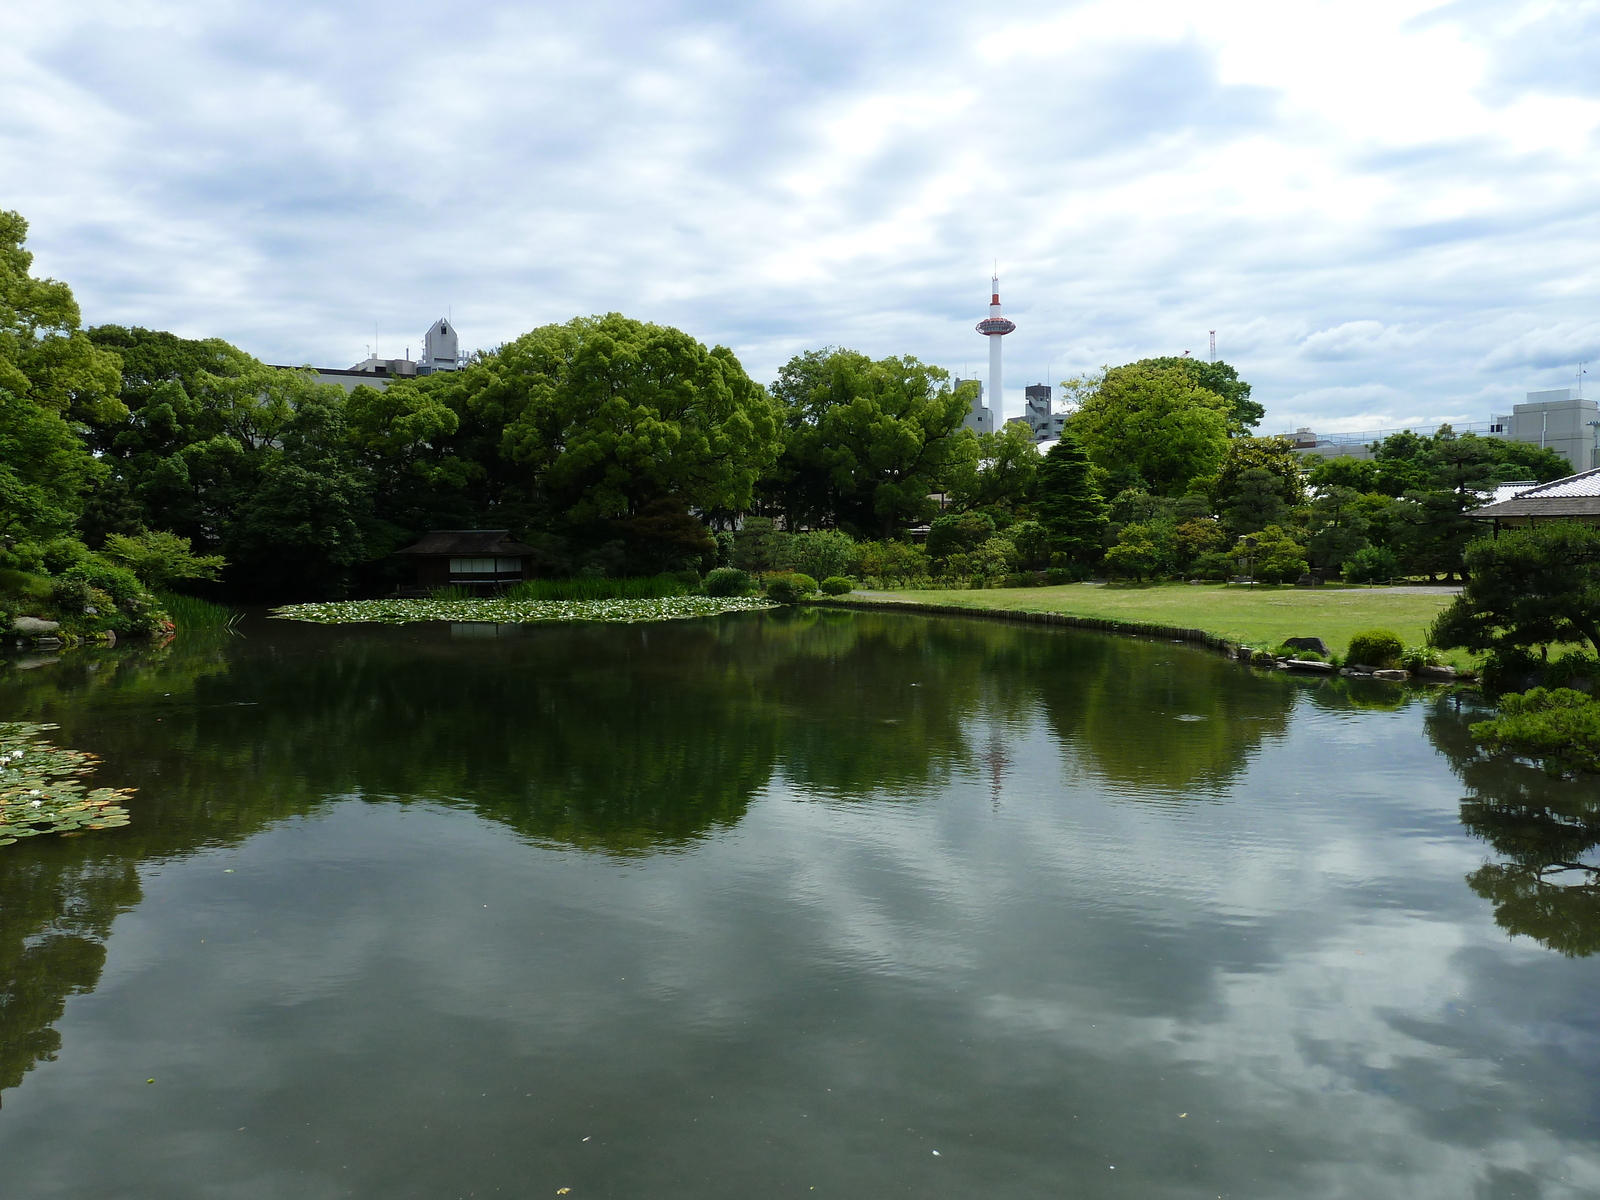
(1032, 956)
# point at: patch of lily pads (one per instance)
(42, 788)
(516, 612)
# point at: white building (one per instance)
(1557, 420)
(441, 351)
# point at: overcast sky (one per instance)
(1387, 209)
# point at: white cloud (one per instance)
(1353, 197)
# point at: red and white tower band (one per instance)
(994, 327)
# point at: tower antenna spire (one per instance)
(994, 327)
(1213, 345)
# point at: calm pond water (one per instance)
(818, 904)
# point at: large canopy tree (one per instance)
(52, 379)
(1243, 413)
(867, 442)
(1155, 423)
(610, 414)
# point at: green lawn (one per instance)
(1263, 616)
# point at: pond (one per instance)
(787, 904)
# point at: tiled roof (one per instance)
(1575, 496)
(468, 542)
(1584, 483)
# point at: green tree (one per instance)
(609, 413)
(1197, 537)
(1158, 422)
(44, 471)
(1337, 527)
(1004, 472)
(1255, 501)
(955, 532)
(866, 442)
(1273, 454)
(1033, 543)
(1528, 587)
(1277, 557)
(45, 357)
(760, 546)
(1143, 549)
(822, 553)
(52, 379)
(161, 559)
(1357, 474)
(1221, 378)
(1066, 502)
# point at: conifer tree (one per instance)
(1066, 501)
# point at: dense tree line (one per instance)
(614, 446)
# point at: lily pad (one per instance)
(513, 612)
(41, 788)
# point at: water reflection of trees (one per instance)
(621, 739)
(1151, 717)
(1542, 828)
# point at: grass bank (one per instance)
(1261, 616)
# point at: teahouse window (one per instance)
(485, 568)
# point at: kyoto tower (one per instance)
(994, 327)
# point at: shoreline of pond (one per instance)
(1227, 647)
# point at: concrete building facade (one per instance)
(980, 417)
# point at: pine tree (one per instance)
(1066, 502)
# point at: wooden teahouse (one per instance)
(477, 558)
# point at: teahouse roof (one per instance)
(1575, 496)
(467, 543)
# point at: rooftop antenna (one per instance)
(1213, 345)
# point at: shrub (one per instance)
(729, 581)
(892, 562)
(1558, 725)
(70, 595)
(1215, 565)
(1375, 648)
(583, 586)
(1296, 652)
(1414, 658)
(837, 585)
(821, 553)
(791, 587)
(1076, 573)
(118, 582)
(25, 585)
(161, 559)
(1021, 579)
(1370, 565)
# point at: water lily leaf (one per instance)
(40, 788)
